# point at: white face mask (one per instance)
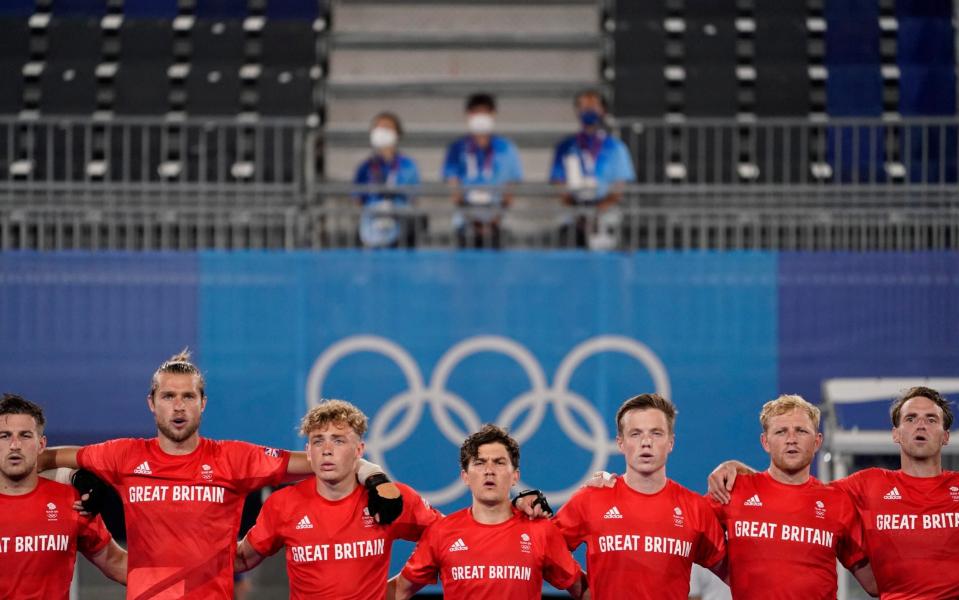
(480, 123)
(383, 137)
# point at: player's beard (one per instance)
(178, 436)
(20, 472)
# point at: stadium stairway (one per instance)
(421, 58)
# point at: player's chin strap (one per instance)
(540, 500)
(385, 500)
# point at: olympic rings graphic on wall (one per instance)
(409, 404)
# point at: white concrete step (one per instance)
(392, 66)
(342, 160)
(426, 17)
(420, 112)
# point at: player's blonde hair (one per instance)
(179, 364)
(788, 403)
(338, 412)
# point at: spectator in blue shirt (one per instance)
(481, 158)
(594, 166)
(385, 221)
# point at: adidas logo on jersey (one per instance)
(613, 513)
(893, 495)
(458, 546)
(754, 501)
(143, 469)
(304, 523)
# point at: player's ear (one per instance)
(764, 441)
(360, 449)
(515, 478)
(818, 441)
(151, 404)
(619, 443)
(43, 443)
(945, 438)
(203, 403)
(463, 477)
(896, 437)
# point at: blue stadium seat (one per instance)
(941, 9)
(306, 10)
(852, 42)
(927, 90)
(79, 8)
(221, 9)
(17, 8)
(854, 90)
(927, 42)
(150, 9)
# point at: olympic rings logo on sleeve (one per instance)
(409, 404)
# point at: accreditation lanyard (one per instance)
(589, 147)
(479, 162)
(382, 172)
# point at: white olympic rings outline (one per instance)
(441, 401)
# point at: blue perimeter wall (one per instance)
(81, 333)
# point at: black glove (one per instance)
(540, 500)
(96, 491)
(384, 510)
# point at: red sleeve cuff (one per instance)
(409, 576)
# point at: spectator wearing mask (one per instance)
(385, 222)
(481, 158)
(594, 166)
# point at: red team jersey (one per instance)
(641, 546)
(334, 549)
(911, 529)
(784, 539)
(40, 534)
(506, 561)
(183, 512)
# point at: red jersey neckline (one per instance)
(311, 483)
(41, 481)
(622, 481)
(154, 446)
(812, 481)
(469, 514)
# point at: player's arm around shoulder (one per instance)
(58, 457)
(112, 561)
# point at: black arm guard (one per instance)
(93, 487)
(540, 500)
(385, 510)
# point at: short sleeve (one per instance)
(92, 536)
(570, 522)
(558, 173)
(263, 535)
(711, 546)
(451, 165)
(417, 515)
(254, 466)
(361, 176)
(560, 569)
(102, 459)
(718, 508)
(851, 548)
(852, 486)
(624, 165)
(515, 173)
(423, 565)
(412, 175)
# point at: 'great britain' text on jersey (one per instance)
(176, 493)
